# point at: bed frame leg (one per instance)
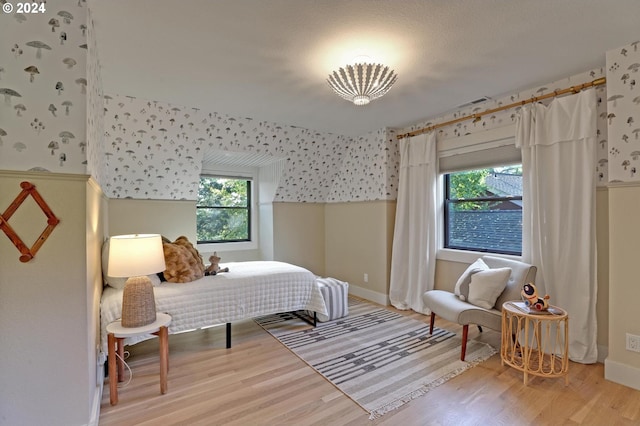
(306, 317)
(228, 335)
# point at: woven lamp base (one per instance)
(138, 302)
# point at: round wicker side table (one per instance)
(535, 342)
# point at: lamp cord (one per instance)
(126, 356)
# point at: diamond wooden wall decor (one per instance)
(27, 253)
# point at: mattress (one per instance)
(248, 290)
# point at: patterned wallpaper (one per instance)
(154, 150)
(507, 117)
(623, 114)
(43, 86)
(369, 170)
(320, 167)
(95, 108)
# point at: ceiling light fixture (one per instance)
(362, 82)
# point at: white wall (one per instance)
(623, 115)
(623, 366)
(169, 218)
(49, 305)
(299, 235)
(358, 241)
(268, 178)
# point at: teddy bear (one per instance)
(214, 268)
(530, 297)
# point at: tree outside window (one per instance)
(223, 210)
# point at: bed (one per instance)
(248, 290)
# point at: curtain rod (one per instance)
(476, 116)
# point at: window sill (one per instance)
(211, 247)
(465, 256)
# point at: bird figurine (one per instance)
(530, 297)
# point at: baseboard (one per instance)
(97, 399)
(622, 373)
(373, 296)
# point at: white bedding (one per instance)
(248, 290)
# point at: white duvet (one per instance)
(248, 290)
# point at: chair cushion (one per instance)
(448, 306)
(486, 286)
(462, 285)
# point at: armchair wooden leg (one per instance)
(465, 334)
(431, 321)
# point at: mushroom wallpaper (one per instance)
(506, 117)
(623, 112)
(95, 151)
(43, 87)
(155, 150)
(369, 169)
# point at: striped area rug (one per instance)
(379, 358)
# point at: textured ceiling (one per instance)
(269, 60)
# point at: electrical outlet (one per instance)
(633, 342)
(366, 278)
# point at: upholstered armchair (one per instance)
(479, 294)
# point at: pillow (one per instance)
(118, 282)
(462, 285)
(486, 286)
(183, 262)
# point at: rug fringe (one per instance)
(379, 412)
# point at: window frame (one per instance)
(232, 245)
(448, 201)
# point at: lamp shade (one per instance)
(135, 255)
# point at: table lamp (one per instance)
(136, 256)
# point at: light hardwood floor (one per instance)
(260, 382)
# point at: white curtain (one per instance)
(413, 259)
(558, 145)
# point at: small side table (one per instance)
(535, 342)
(116, 334)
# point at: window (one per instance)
(483, 210)
(223, 210)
